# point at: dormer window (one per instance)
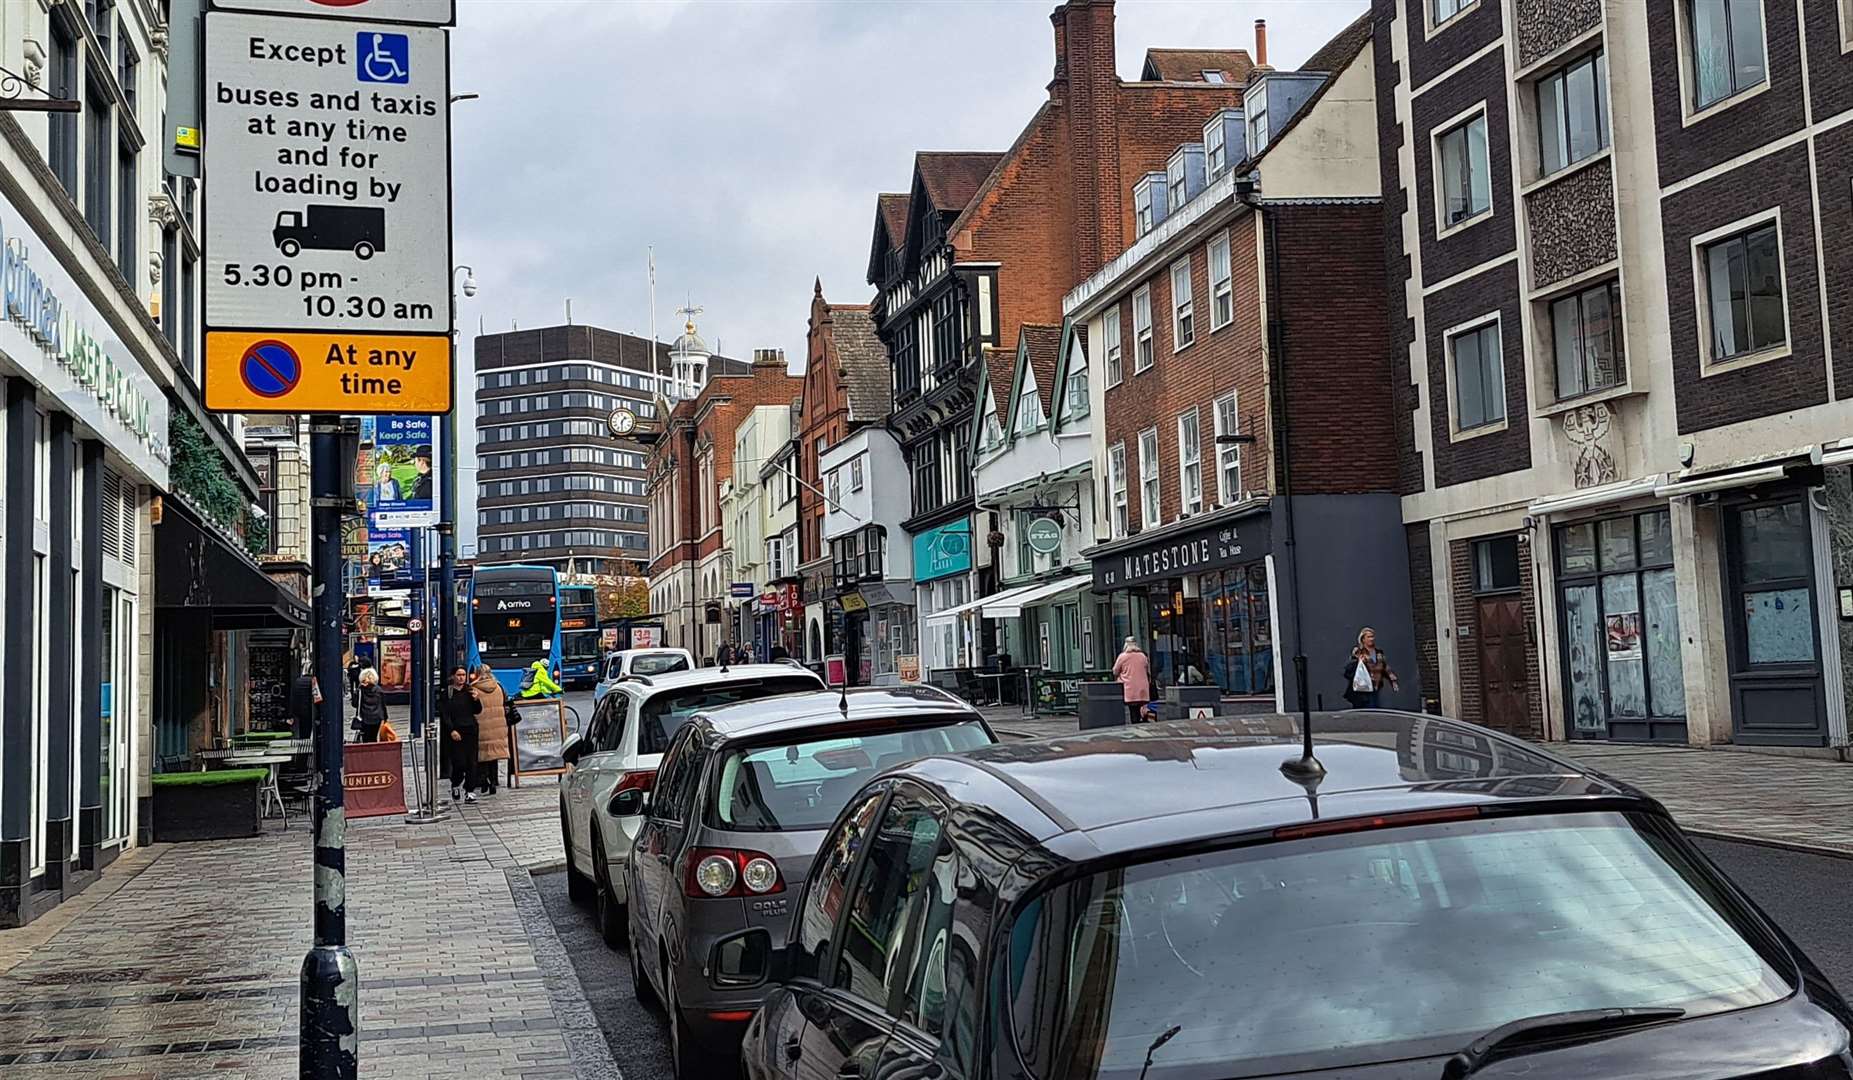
(1214, 146)
(1210, 76)
(1142, 208)
(1256, 102)
(1174, 182)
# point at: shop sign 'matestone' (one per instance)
(1210, 547)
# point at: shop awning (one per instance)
(1595, 496)
(1010, 604)
(1722, 482)
(956, 611)
(197, 570)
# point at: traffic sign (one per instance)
(261, 371)
(415, 625)
(428, 12)
(327, 195)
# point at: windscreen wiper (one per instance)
(1510, 1040)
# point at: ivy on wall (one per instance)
(201, 473)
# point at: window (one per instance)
(1189, 462)
(63, 84)
(1075, 395)
(1466, 177)
(1256, 101)
(1142, 208)
(855, 474)
(895, 876)
(775, 557)
(1447, 9)
(127, 195)
(1211, 76)
(1116, 480)
(1228, 456)
(1743, 281)
(1619, 613)
(1726, 48)
(1111, 331)
(1029, 404)
(128, 67)
(1586, 337)
(1573, 120)
(99, 169)
(1215, 147)
(993, 431)
(1479, 378)
(1142, 330)
(1177, 193)
(1183, 318)
(1222, 286)
(1495, 564)
(1148, 478)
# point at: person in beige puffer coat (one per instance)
(492, 740)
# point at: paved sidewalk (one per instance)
(1789, 801)
(183, 960)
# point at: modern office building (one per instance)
(554, 484)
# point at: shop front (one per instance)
(1199, 600)
(943, 588)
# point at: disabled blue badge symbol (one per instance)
(382, 58)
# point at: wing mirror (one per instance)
(630, 802)
(573, 748)
(749, 959)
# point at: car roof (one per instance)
(650, 651)
(1131, 787)
(828, 708)
(710, 676)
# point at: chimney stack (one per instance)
(1088, 87)
(768, 357)
(1261, 42)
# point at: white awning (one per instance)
(955, 611)
(1596, 496)
(1010, 605)
(1723, 482)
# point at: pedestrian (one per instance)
(779, 652)
(371, 706)
(304, 697)
(537, 682)
(354, 668)
(492, 733)
(458, 712)
(1367, 672)
(1133, 669)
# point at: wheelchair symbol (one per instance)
(382, 58)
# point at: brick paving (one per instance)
(1799, 802)
(183, 960)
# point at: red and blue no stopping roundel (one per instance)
(270, 369)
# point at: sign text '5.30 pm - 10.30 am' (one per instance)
(327, 216)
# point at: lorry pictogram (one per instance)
(360, 229)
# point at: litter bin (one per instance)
(1179, 700)
(1103, 704)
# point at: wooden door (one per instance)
(1505, 692)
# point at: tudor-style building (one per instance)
(1239, 398)
(989, 242)
(1618, 238)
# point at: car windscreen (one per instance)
(658, 664)
(665, 712)
(805, 783)
(1372, 946)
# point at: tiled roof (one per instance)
(1001, 367)
(953, 177)
(1044, 344)
(1188, 65)
(863, 363)
(893, 210)
(1339, 51)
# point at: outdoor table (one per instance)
(997, 687)
(243, 757)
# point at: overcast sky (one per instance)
(746, 141)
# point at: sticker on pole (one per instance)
(415, 625)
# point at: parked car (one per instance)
(745, 795)
(627, 662)
(619, 751)
(1167, 902)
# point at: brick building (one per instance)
(691, 566)
(1618, 246)
(991, 242)
(1239, 392)
(846, 391)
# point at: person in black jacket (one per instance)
(457, 715)
(371, 706)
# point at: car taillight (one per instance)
(1375, 821)
(641, 780)
(722, 872)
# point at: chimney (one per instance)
(1090, 100)
(769, 358)
(1058, 83)
(1261, 43)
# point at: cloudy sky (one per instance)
(746, 141)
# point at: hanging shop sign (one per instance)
(1044, 536)
(60, 341)
(1189, 551)
(327, 220)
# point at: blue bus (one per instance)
(579, 652)
(513, 621)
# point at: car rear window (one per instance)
(657, 665)
(805, 784)
(1371, 946)
(664, 713)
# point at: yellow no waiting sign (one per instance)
(258, 371)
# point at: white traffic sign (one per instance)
(415, 625)
(428, 12)
(327, 176)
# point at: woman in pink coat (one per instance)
(1134, 671)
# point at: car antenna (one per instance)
(842, 697)
(1305, 768)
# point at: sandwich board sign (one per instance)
(327, 215)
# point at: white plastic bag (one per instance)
(1361, 680)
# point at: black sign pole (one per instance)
(329, 1035)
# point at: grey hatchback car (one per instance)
(742, 799)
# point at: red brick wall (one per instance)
(826, 415)
(1422, 608)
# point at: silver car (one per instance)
(619, 752)
(743, 798)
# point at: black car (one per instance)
(1168, 902)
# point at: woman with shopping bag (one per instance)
(1367, 672)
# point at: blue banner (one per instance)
(403, 478)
